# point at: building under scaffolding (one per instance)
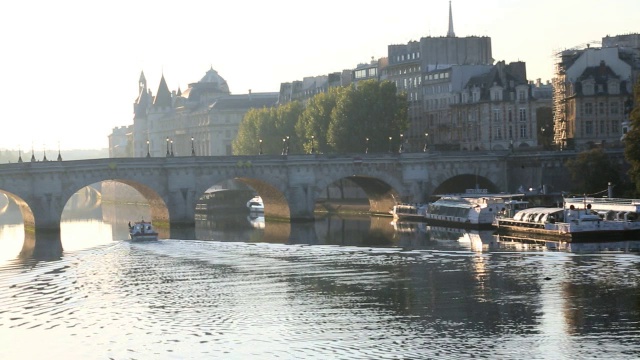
(592, 87)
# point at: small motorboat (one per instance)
(142, 231)
(255, 205)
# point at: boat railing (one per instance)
(603, 201)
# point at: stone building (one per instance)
(494, 111)
(411, 64)
(593, 89)
(202, 120)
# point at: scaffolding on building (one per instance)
(562, 61)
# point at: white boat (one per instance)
(577, 221)
(408, 212)
(142, 231)
(255, 205)
(475, 209)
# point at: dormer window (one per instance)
(588, 87)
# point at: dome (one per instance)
(213, 78)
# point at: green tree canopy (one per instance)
(338, 120)
(591, 171)
(373, 110)
(271, 125)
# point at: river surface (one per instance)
(340, 288)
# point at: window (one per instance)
(521, 96)
(496, 115)
(588, 109)
(510, 115)
(614, 108)
(498, 135)
(588, 127)
(615, 127)
(523, 131)
(523, 115)
(602, 127)
(601, 108)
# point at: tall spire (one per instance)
(450, 33)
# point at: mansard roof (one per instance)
(245, 101)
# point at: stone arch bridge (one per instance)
(289, 185)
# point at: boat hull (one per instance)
(143, 237)
(456, 223)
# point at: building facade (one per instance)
(202, 120)
(415, 68)
(593, 89)
(494, 111)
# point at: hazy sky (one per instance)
(69, 68)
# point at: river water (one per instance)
(353, 288)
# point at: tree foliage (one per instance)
(373, 110)
(338, 120)
(591, 171)
(271, 125)
(632, 138)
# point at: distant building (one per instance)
(411, 64)
(308, 87)
(495, 110)
(593, 89)
(204, 119)
(121, 142)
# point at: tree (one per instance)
(591, 171)
(373, 110)
(271, 125)
(632, 137)
(314, 122)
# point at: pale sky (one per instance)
(69, 68)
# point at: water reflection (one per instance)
(367, 288)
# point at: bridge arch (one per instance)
(382, 194)
(459, 184)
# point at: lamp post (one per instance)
(260, 147)
(426, 142)
(366, 145)
(168, 154)
(284, 146)
(390, 150)
(401, 148)
(511, 145)
(171, 147)
(148, 149)
(313, 146)
(287, 152)
(193, 149)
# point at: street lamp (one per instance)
(284, 146)
(168, 154)
(193, 149)
(511, 145)
(260, 147)
(366, 147)
(287, 152)
(390, 138)
(148, 149)
(171, 147)
(401, 148)
(313, 147)
(426, 142)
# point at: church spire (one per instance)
(450, 33)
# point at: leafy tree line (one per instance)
(337, 121)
